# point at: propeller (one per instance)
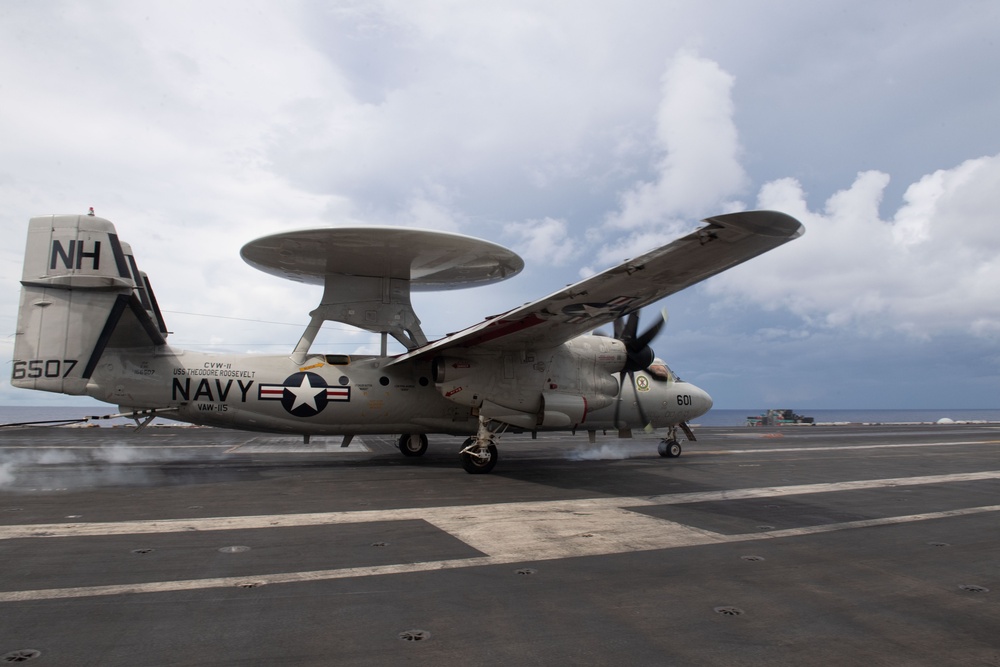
(639, 355)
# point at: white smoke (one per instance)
(6, 473)
(52, 468)
(615, 450)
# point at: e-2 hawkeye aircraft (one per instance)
(89, 324)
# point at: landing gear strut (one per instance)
(479, 453)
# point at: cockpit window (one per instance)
(658, 370)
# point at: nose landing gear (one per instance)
(669, 447)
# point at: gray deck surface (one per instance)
(793, 546)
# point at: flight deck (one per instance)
(840, 544)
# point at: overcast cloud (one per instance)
(578, 134)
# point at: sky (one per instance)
(576, 133)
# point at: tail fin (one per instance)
(81, 294)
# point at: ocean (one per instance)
(739, 417)
(16, 414)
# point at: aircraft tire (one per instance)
(408, 447)
(475, 465)
(670, 449)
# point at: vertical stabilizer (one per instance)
(81, 294)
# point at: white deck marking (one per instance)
(460, 517)
(505, 532)
(833, 448)
(427, 566)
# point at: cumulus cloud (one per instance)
(696, 168)
(162, 123)
(431, 209)
(931, 268)
(198, 127)
(696, 137)
(545, 241)
(486, 100)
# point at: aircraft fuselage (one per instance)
(339, 395)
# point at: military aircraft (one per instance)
(89, 324)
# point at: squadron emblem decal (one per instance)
(303, 394)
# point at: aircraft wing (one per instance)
(727, 240)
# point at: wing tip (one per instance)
(762, 223)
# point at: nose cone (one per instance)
(701, 402)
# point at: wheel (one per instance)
(670, 449)
(412, 444)
(475, 464)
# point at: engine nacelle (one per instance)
(609, 356)
(554, 386)
(585, 367)
(465, 381)
(558, 410)
(605, 389)
(449, 369)
(562, 409)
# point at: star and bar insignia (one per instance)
(303, 394)
(580, 312)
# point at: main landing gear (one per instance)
(479, 453)
(669, 447)
(412, 444)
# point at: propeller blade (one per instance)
(647, 425)
(618, 403)
(631, 324)
(638, 357)
(619, 327)
(647, 337)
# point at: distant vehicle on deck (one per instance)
(778, 418)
